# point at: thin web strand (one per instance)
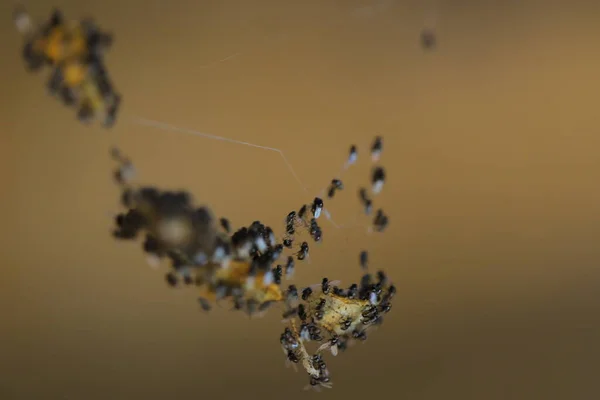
(169, 127)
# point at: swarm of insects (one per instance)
(201, 251)
(240, 266)
(243, 266)
(335, 317)
(73, 50)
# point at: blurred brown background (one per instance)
(491, 147)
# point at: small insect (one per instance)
(291, 218)
(290, 230)
(360, 335)
(225, 225)
(277, 274)
(364, 259)
(385, 308)
(289, 267)
(428, 39)
(376, 148)
(275, 252)
(302, 312)
(352, 156)
(352, 291)
(293, 357)
(317, 207)
(346, 324)
(368, 207)
(222, 253)
(330, 192)
(290, 223)
(269, 237)
(335, 185)
(332, 345)
(317, 235)
(171, 279)
(238, 303)
(302, 211)
(390, 293)
(338, 291)
(126, 171)
(306, 293)
(288, 242)
(319, 314)
(205, 304)
(320, 305)
(303, 253)
(292, 294)
(381, 221)
(315, 231)
(325, 286)
(381, 277)
(366, 202)
(362, 194)
(151, 245)
(377, 180)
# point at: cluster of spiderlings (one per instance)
(237, 266)
(241, 266)
(334, 317)
(381, 220)
(295, 352)
(258, 249)
(298, 221)
(173, 227)
(74, 53)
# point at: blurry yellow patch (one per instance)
(92, 95)
(74, 74)
(64, 42)
(236, 276)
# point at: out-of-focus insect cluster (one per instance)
(202, 251)
(73, 51)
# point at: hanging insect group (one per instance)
(334, 317)
(74, 51)
(243, 266)
(236, 266)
